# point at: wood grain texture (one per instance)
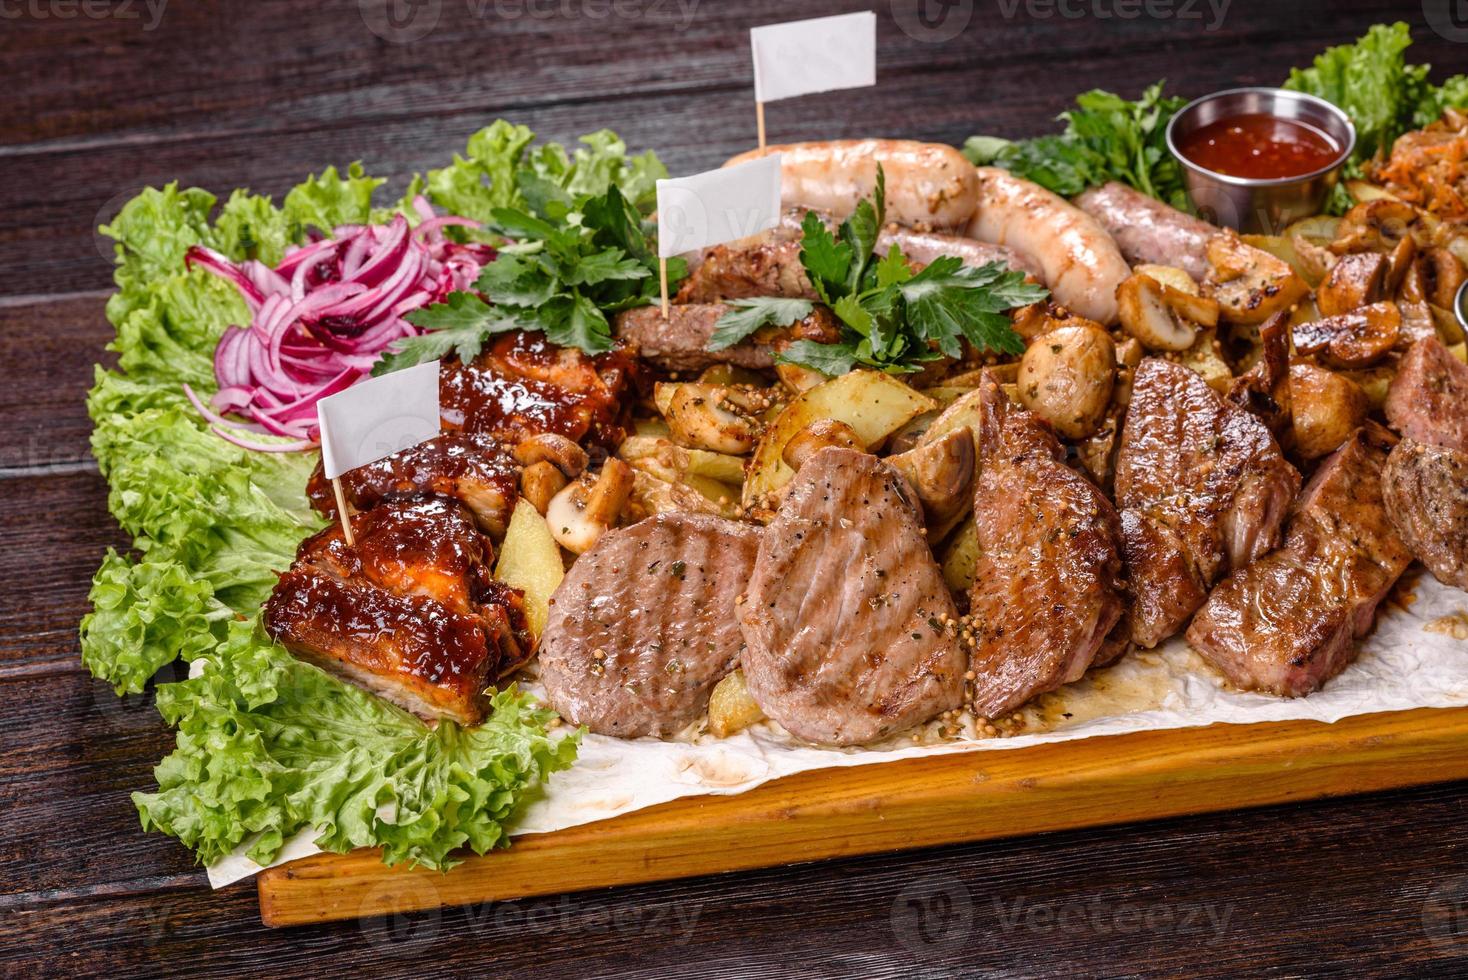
(261, 93)
(917, 803)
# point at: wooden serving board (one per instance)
(912, 803)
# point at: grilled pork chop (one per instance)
(1048, 585)
(845, 614)
(680, 343)
(644, 624)
(410, 612)
(1202, 487)
(468, 467)
(1288, 622)
(1426, 493)
(1428, 399)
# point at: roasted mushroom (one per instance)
(1356, 339)
(1160, 316)
(1066, 377)
(819, 435)
(942, 474)
(1249, 284)
(1356, 280)
(720, 418)
(584, 511)
(1326, 409)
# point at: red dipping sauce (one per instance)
(1259, 147)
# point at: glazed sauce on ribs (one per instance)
(1259, 146)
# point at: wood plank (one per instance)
(843, 812)
(51, 346)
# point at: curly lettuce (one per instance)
(269, 746)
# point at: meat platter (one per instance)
(862, 541)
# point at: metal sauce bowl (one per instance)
(1253, 204)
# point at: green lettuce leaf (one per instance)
(326, 201)
(269, 746)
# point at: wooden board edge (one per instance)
(912, 803)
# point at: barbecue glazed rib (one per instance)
(468, 467)
(1048, 586)
(1288, 622)
(410, 613)
(1202, 487)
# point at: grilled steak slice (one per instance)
(523, 385)
(1428, 399)
(768, 264)
(1048, 585)
(410, 612)
(680, 343)
(644, 624)
(1202, 487)
(1287, 623)
(1426, 492)
(844, 621)
(469, 467)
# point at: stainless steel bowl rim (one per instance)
(1460, 306)
(1329, 107)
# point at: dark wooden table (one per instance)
(103, 98)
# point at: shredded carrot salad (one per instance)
(1429, 167)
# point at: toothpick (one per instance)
(341, 511)
(759, 115)
(663, 276)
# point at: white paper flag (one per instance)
(816, 55)
(378, 417)
(718, 206)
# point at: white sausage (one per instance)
(1082, 265)
(928, 184)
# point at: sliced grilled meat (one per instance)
(1264, 389)
(1428, 398)
(768, 264)
(1048, 585)
(1287, 623)
(680, 343)
(1202, 487)
(469, 467)
(410, 612)
(644, 624)
(845, 616)
(523, 385)
(1426, 492)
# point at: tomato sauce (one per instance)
(1259, 146)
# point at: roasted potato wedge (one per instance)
(1169, 275)
(1327, 408)
(1205, 358)
(530, 560)
(960, 556)
(731, 709)
(872, 403)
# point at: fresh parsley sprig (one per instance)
(572, 263)
(892, 319)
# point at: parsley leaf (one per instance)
(826, 261)
(947, 301)
(745, 316)
(571, 265)
(830, 359)
(460, 324)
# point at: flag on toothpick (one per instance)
(373, 419)
(803, 57)
(716, 206)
